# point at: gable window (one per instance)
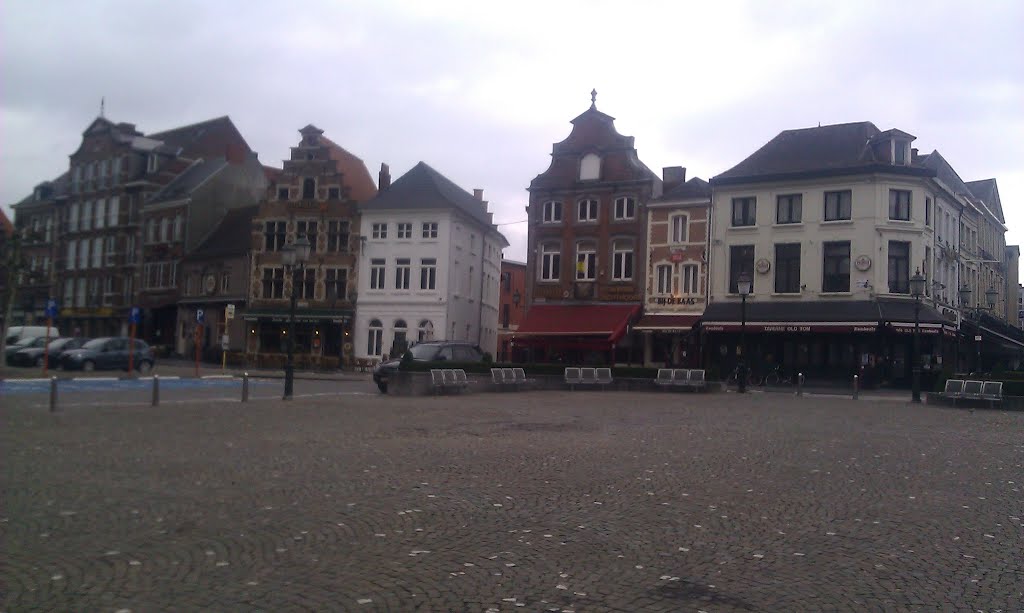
(625, 208)
(333, 193)
(590, 167)
(787, 268)
(789, 208)
(273, 282)
(550, 261)
(282, 193)
(403, 266)
(428, 273)
(899, 204)
(622, 260)
(679, 228)
(552, 212)
(586, 261)
(308, 229)
(899, 267)
(744, 211)
(379, 230)
(404, 230)
(308, 188)
(690, 279)
(587, 210)
(273, 235)
(375, 339)
(377, 273)
(900, 153)
(836, 267)
(741, 260)
(664, 278)
(430, 229)
(838, 205)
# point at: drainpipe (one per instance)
(480, 313)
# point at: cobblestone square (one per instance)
(535, 501)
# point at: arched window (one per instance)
(586, 261)
(375, 340)
(622, 259)
(308, 188)
(400, 333)
(590, 167)
(426, 331)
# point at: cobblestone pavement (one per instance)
(551, 501)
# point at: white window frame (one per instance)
(379, 231)
(403, 272)
(552, 212)
(100, 211)
(429, 229)
(86, 219)
(428, 273)
(375, 338)
(590, 167)
(689, 275)
(586, 254)
(403, 230)
(550, 262)
(623, 251)
(587, 210)
(679, 227)
(625, 208)
(378, 273)
(663, 279)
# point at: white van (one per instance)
(16, 333)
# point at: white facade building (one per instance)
(429, 266)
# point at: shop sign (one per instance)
(671, 300)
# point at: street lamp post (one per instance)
(294, 257)
(916, 290)
(743, 287)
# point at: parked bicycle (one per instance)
(776, 376)
(733, 380)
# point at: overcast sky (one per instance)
(481, 90)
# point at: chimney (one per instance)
(913, 154)
(672, 176)
(478, 194)
(384, 178)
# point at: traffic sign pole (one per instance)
(131, 349)
(46, 347)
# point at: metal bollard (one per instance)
(245, 387)
(53, 394)
(156, 390)
(856, 386)
(800, 384)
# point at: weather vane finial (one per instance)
(593, 98)
(103, 103)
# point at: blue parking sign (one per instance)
(134, 315)
(200, 316)
(51, 308)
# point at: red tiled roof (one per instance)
(6, 227)
(608, 321)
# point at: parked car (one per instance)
(33, 356)
(24, 343)
(428, 351)
(109, 353)
(17, 333)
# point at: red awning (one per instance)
(667, 323)
(607, 322)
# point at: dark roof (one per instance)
(692, 189)
(206, 138)
(987, 191)
(425, 188)
(822, 311)
(822, 151)
(231, 237)
(183, 184)
(944, 172)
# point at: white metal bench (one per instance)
(603, 377)
(664, 378)
(572, 377)
(519, 378)
(992, 391)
